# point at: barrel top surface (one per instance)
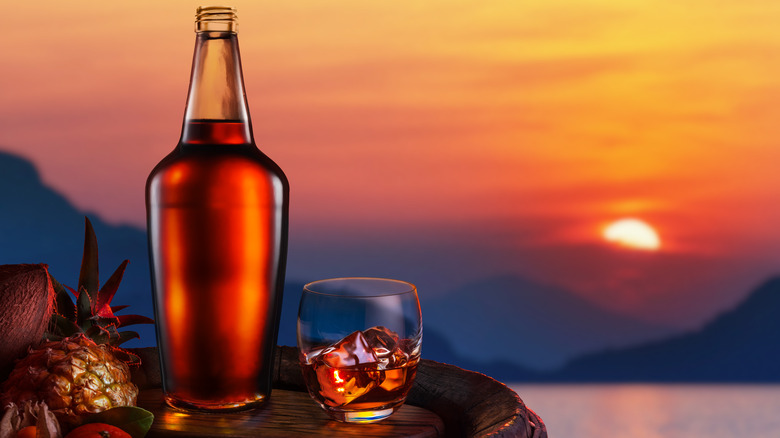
(445, 400)
(285, 414)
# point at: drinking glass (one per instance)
(359, 344)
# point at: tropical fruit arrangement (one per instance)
(62, 369)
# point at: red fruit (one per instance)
(27, 432)
(97, 430)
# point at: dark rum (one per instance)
(217, 221)
(364, 376)
(360, 387)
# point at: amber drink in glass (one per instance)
(359, 345)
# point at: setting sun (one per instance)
(632, 233)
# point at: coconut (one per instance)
(26, 304)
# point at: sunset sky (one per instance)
(444, 141)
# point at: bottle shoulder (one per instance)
(201, 172)
(208, 159)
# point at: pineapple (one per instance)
(79, 368)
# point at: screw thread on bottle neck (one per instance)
(216, 19)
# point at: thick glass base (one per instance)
(360, 416)
(213, 407)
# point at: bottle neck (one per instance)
(216, 111)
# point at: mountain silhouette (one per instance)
(507, 327)
(740, 345)
(39, 225)
(436, 346)
(521, 319)
(513, 320)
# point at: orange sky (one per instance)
(520, 128)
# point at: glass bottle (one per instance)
(217, 215)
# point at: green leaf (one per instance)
(125, 320)
(73, 292)
(124, 337)
(64, 303)
(107, 334)
(105, 322)
(98, 334)
(126, 356)
(88, 277)
(111, 285)
(133, 420)
(84, 310)
(63, 327)
(56, 284)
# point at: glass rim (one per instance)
(410, 288)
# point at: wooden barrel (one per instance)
(444, 401)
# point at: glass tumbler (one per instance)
(359, 345)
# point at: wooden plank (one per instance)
(285, 414)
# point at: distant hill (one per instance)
(436, 346)
(507, 327)
(289, 320)
(38, 225)
(741, 345)
(513, 320)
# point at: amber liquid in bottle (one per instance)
(217, 221)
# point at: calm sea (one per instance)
(655, 411)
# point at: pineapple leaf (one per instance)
(104, 313)
(75, 294)
(127, 357)
(125, 320)
(84, 309)
(110, 287)
(62, 327)
(104, 322)
(102, 335)
(64, 303)
(88, 277)
(95, 332)
(99, 338)
(92, 314)
(124, 337)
